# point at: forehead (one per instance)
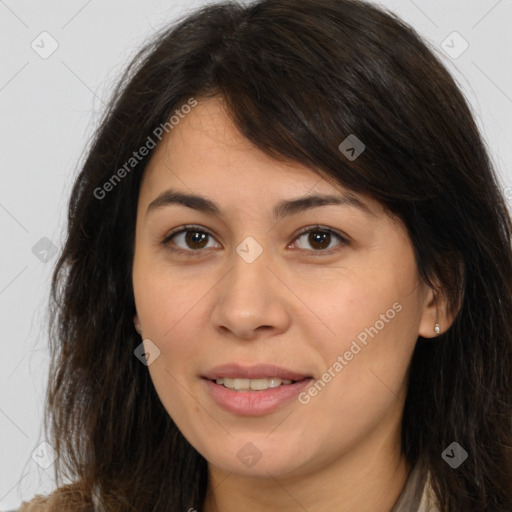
(206, 145)
(205, 153)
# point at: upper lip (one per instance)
(259, 371)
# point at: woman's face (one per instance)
(268, 283)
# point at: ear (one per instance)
(136, 323)
(435, 311)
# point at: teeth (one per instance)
(252, 384)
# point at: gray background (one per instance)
(49, 108)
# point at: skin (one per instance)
(342, 449)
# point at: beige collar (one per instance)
(417, 494)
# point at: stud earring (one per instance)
(437, 329)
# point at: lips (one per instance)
(259, 371)
(252, 403)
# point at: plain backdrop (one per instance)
(59, 60)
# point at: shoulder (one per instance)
(37, 504)
(68, 497)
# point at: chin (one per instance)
(246, 456)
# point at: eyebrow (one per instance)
(282, 209)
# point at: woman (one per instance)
(287, 278)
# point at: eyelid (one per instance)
(344, 240)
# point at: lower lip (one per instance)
(254, 403)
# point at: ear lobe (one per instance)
(435, 313)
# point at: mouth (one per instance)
(250, 402)
(254, 390)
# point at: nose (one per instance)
(251, 300)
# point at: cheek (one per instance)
(166, 298)
(370, 323)
(365, 361)
(171, 312)
(356, 302)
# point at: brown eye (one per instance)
(319, 240)
(196, 239)
(188, 240)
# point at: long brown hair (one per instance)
(298, 77)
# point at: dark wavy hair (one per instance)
(297, 77)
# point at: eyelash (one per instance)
(315, 253)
